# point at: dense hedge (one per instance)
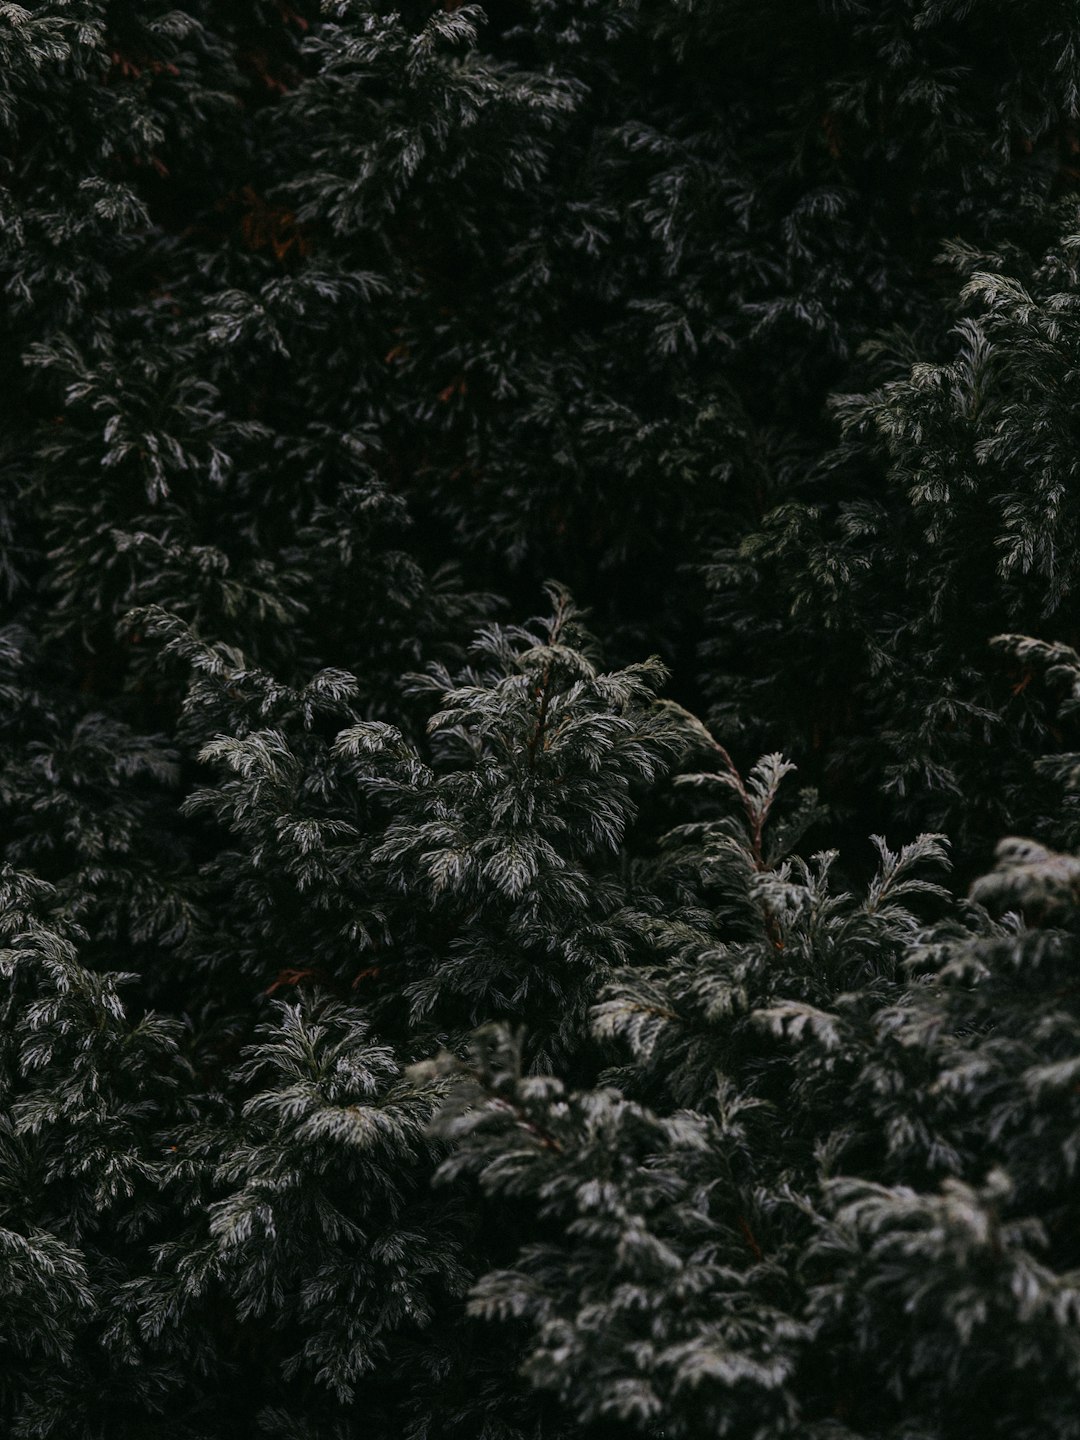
(444, 449)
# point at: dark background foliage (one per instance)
(416, 1023)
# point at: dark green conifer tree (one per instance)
(416, 1024)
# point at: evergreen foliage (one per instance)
(423, 1019)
